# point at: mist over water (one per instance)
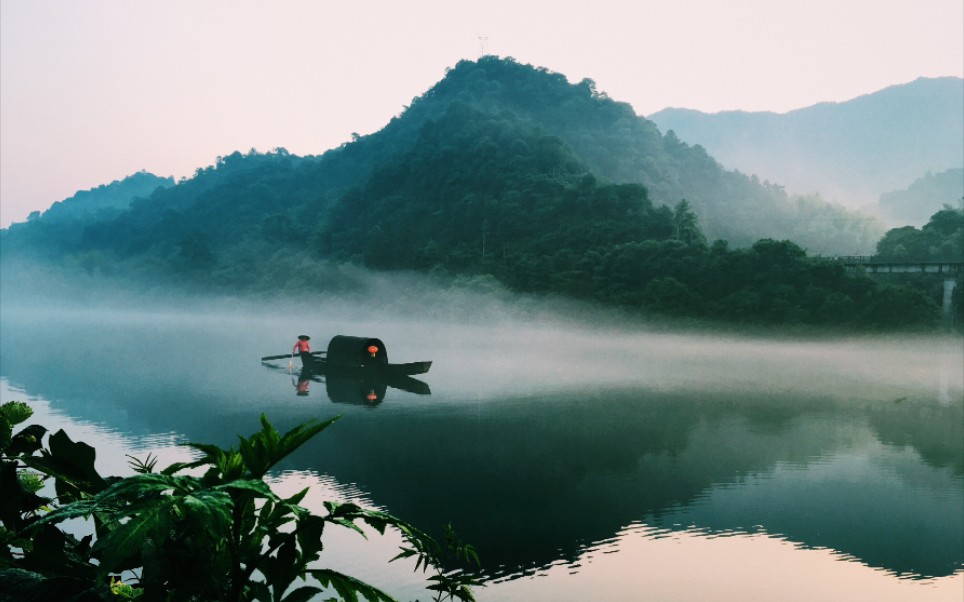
(556, 436)
(494, 342)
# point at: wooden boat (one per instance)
(323, 366)
(362, 356)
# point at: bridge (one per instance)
(875, 265)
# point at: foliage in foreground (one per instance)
(162, 535)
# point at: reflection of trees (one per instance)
(933, 431)
(531, 480)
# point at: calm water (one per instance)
(583, 463)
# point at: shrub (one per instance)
(223, 535)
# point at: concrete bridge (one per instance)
(875, 265)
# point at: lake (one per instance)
(583, 461)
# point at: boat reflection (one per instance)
(354, 387)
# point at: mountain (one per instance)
(850, 152)
(923, 198)
(247, 197)
(60, 227)
(500, 172)
(617, 145)
(107, 200)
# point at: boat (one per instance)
(357, 355)
(356, 370)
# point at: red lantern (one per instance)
(372, 349)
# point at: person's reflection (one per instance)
(301, 386)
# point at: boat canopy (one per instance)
(356, 351)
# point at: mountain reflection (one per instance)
(531, 480)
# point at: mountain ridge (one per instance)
(850, 151)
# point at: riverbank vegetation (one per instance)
(210, 529)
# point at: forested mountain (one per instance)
(107, 200)
(923, 198)
(501, 171)
(606, 136)
(61, 226)
(850, 152)
(617, 145)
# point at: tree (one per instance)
(686, 225)
(941, 238)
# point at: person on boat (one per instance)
(303, 348)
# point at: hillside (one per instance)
(502, 172)
(926, 196)
(617, 145)
(61, 227)
(106, 201)
(850, 152)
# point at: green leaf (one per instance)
(231, 466)
(254, 459)
(26, 585)
(6, 435)
(51, 554)
(255, 590)
(31, 482)
(272, 448)
(15, 500)
(252, 485)
(296, 498)
(282, 565)
(309, 532)
(302, 594)
(297, 436)
(211, 452)
(404, 553)
(349, 588)
(142, 466)
(15, 412)
(71, 464)
(143, 487)
(210, 510)
(27, 441)
(78, 509)
(179, 466)
(121, 548)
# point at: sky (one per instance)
(93, 91)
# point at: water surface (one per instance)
(582, 462)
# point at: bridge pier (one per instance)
(949, 284)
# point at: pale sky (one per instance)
(93, 91)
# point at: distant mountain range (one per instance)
(849, 152)
(915, 205)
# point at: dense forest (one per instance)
(501, 171)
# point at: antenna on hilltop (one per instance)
(482, 40)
